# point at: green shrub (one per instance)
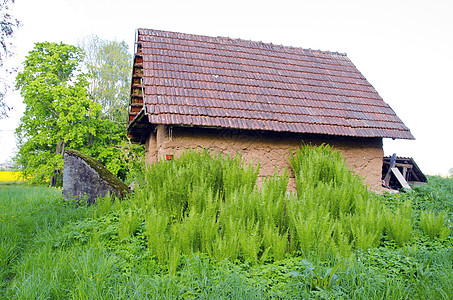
(200, 203)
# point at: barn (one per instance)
(256, 99)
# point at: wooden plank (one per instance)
(407, 166)
(400, 178)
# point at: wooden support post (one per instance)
(389, 172)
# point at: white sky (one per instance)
(403, 47)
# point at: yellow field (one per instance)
(11, 176)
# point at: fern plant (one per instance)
(333, 211)
(398, 223)
(434, 225)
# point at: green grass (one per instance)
(50, 249)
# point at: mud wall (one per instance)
(271, 149)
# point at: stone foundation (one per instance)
(271, 149)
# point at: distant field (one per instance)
(11, 176)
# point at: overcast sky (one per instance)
(404, 48)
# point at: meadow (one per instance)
(199, 227)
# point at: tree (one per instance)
(108, 67)
(73, 104)
(58, 110)
(8, 26)
(74, 98)
(108, 64)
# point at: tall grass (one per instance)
(27, 215)
(204, 204)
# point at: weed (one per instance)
(320, 281)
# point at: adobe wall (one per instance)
(271, 149)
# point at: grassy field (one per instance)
(50, 249)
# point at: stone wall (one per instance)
(271, 149)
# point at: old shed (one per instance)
(256, 99)
(408, 172)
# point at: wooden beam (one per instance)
(408, 166)
(415, 175)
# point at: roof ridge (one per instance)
(203, 38)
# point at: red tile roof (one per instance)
(222, 82)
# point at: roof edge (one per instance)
(241, 40)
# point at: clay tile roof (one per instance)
(222, 82)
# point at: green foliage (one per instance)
(57, 108)
(398, 274)
(61, 114)
(317, 280)
(434, 225)
(432, 202)
(190, 204)
(25, 212)
(437, 195)
(129, 223)
(108, 65)
(331, 202)
(398, 223)
(51, 249)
